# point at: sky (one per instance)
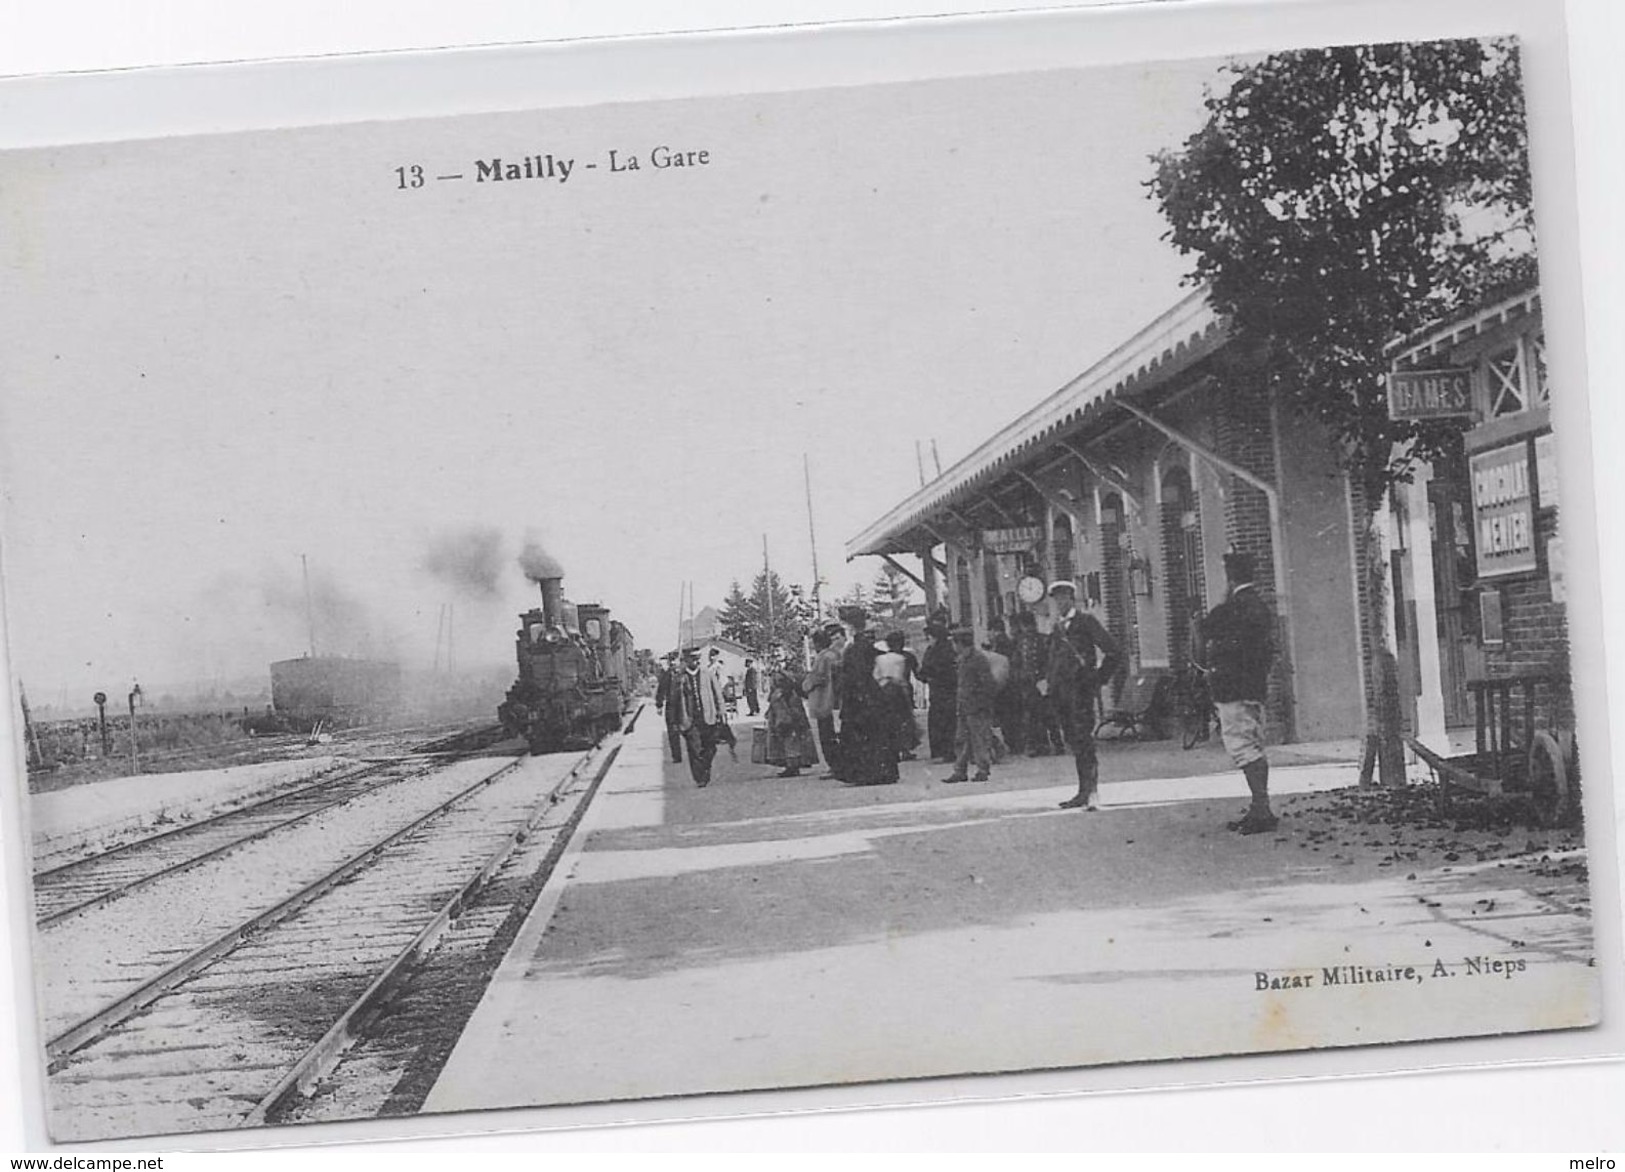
(237, 352)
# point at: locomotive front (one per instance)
(565, 697)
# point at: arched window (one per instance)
(1182, 559)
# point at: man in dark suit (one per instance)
(752, 686)
(1237, 641)
(1072, 677)
(973, 706)
(940, 673)
(697, 697)
(663, 695)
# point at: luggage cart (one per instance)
(1512, 756)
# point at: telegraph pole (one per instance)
(812, 539)
(767, 590)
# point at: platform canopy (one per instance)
(1177, 339)
(1439, 337)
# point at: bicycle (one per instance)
(1193, 705)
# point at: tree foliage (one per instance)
(1338, 199)
(891, 592)
(772, 617)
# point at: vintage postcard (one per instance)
(799, 588)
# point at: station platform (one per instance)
(773, 933)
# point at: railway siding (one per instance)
(93, 958)
(204, 1055)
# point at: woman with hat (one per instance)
(789, 733)
(868, 746)
(894, 670)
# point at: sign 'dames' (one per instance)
(1430, 394)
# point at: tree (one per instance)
(772, 617)
(740, 618)
(1335, 201)
(891, 592)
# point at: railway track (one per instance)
(237, 1029)
(83, 884)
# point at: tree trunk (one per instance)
(1383, 761)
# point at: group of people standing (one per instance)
(1041, 690)
(870, 688)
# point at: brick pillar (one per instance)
(1244, 435)
(1115, 594)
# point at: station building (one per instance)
(1133, 480)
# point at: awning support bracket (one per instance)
(1102, 475)
(1056, 500)
(902, 569)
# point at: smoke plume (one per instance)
(243, 621)
(344, 624)
(468, 560)
(538, 563)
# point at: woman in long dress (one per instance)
(789, 733)
(894, 669)
(868, 741)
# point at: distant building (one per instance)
(733, 654)
(704, 625)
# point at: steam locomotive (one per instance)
(577, 670)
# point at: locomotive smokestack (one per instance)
(545, 570)
(552, 600)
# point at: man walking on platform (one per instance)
(974, 705)
(1237, 642)
(725, 731)
(663, 703)
(1072, 676)
(698, 698)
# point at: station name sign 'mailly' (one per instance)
(1430, 394)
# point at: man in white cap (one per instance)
(1073, 675)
